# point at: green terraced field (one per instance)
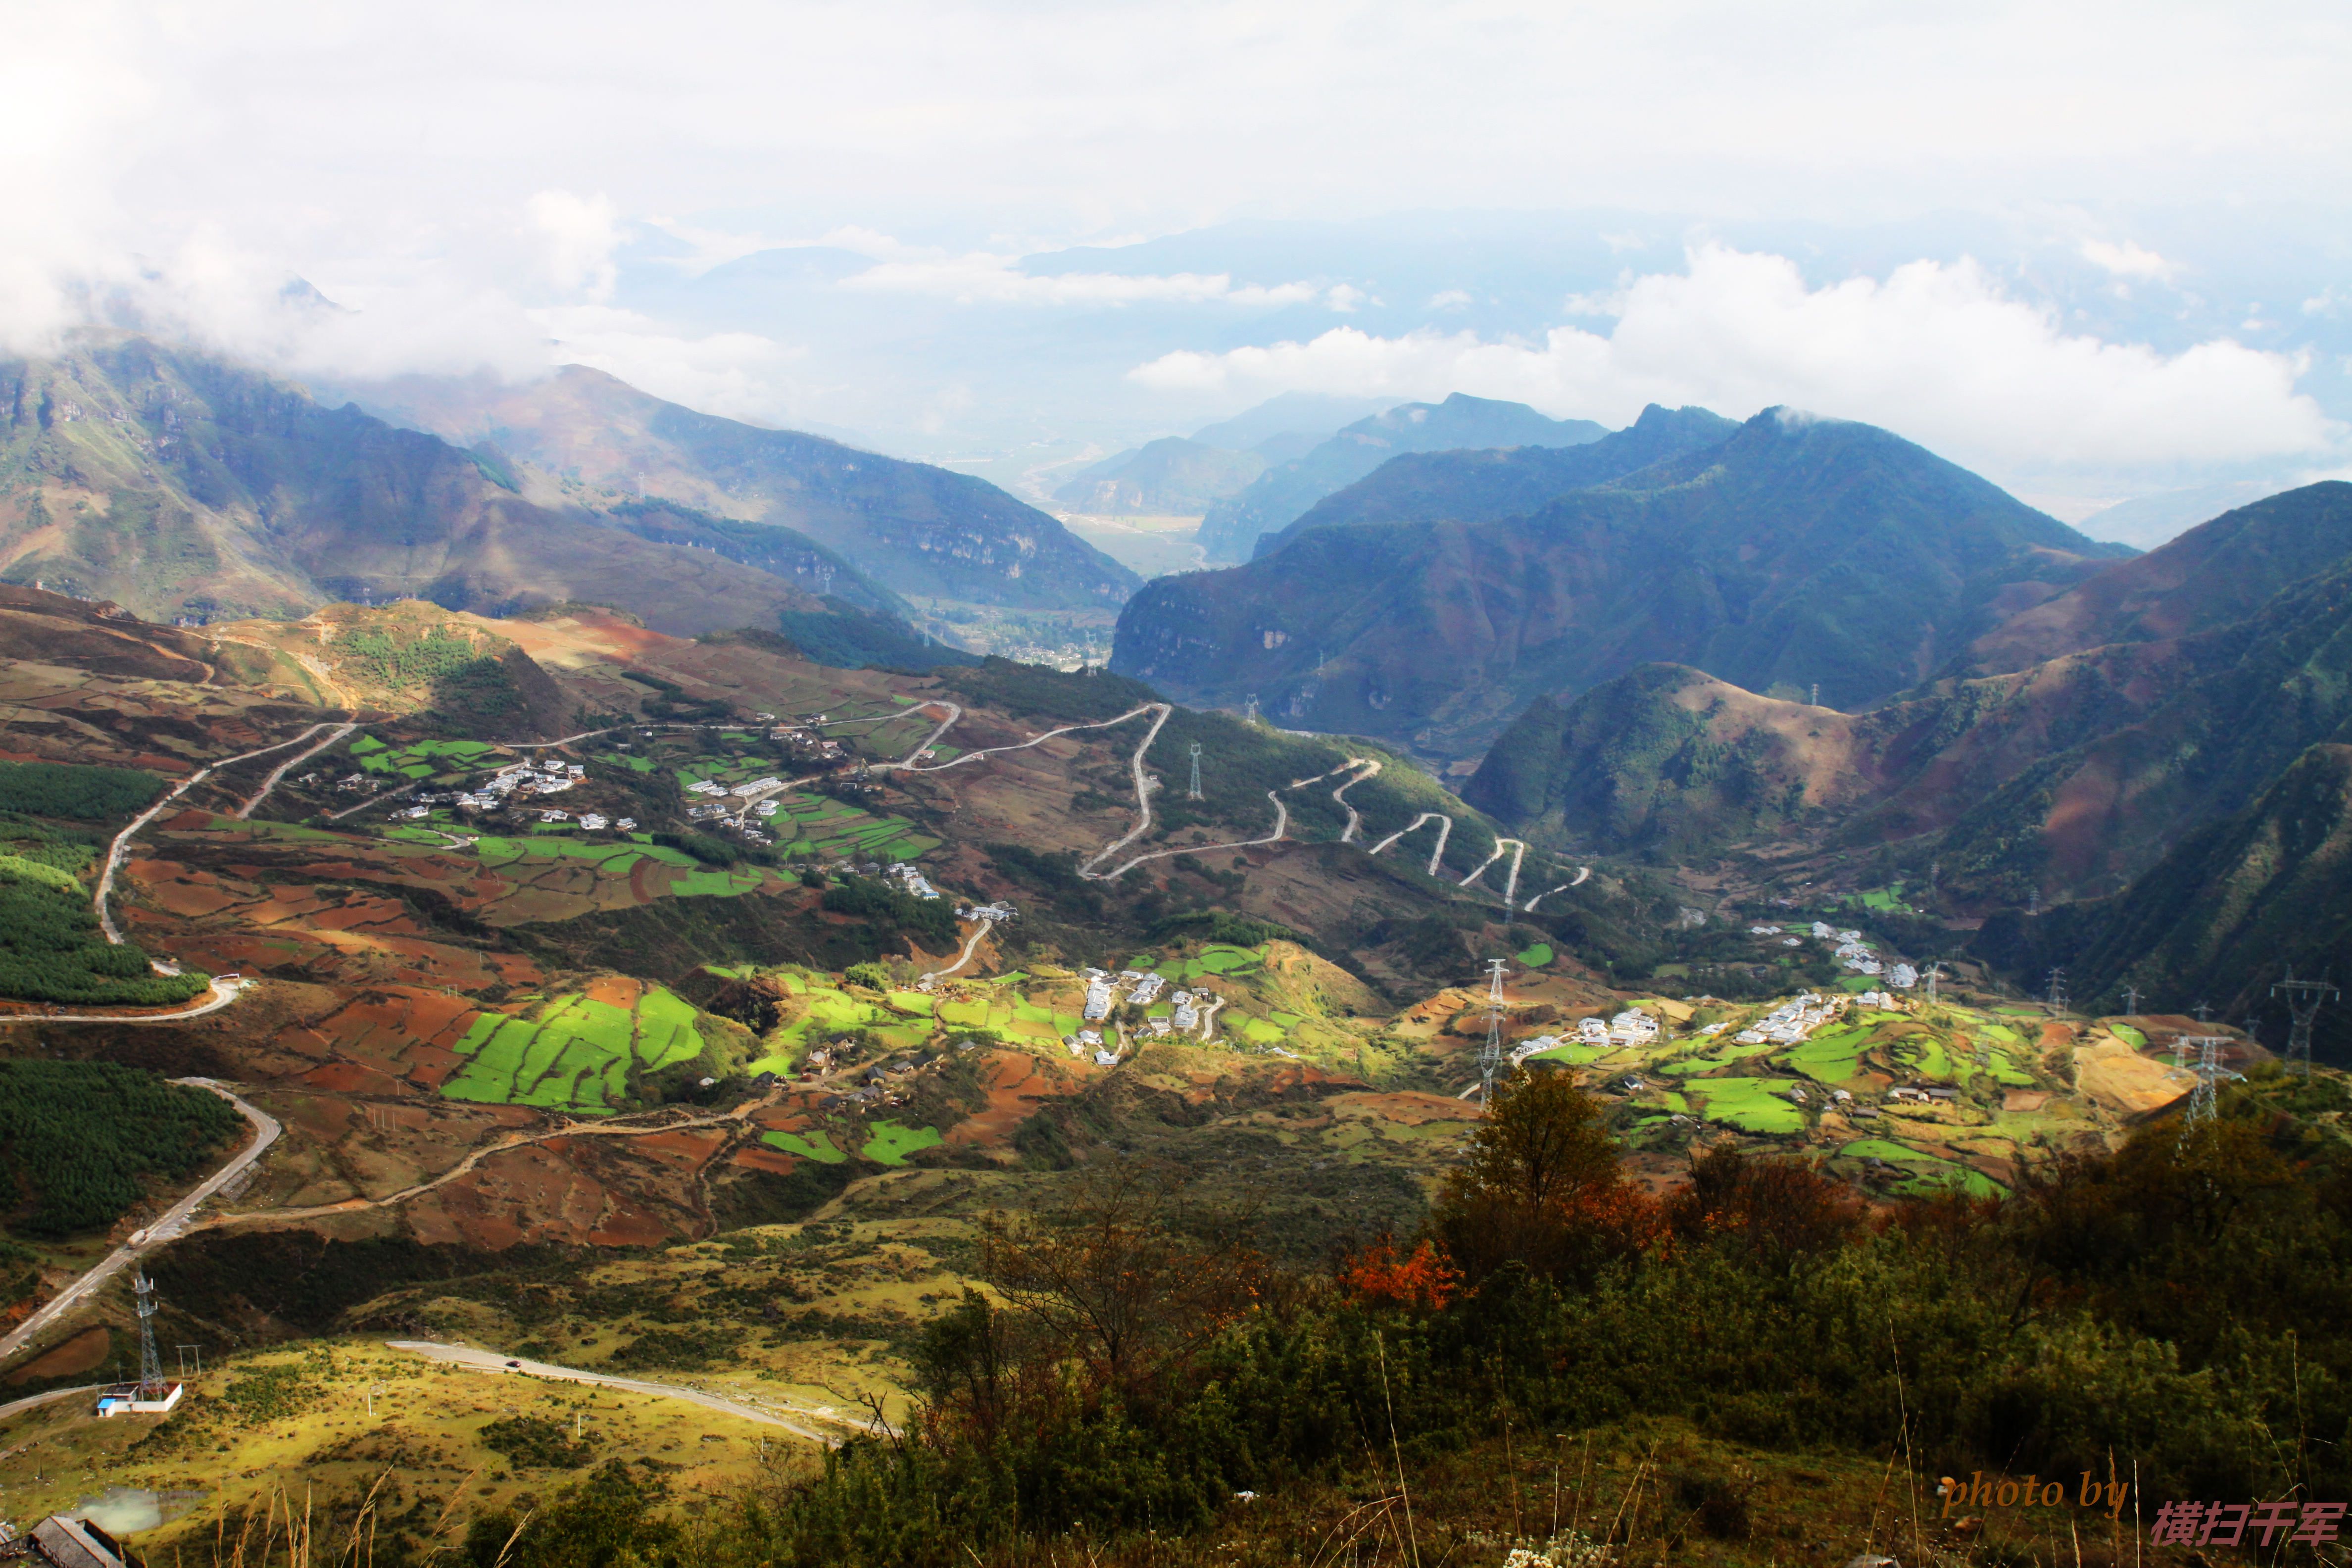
(817, 1146)
(577, 1058)
(1750, 1104)
(891, 1143)
(420, 760)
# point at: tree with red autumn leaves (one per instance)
(1542, 1188)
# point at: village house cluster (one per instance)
(1850, 952)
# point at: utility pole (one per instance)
(1490, 1056)
(2303, 999)
(1195, 793)
(2058, 991)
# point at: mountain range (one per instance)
(1483, 484)
(1230, 530)
(914, 528)
(1798, 552)
(1169, 477)
(2157, 757)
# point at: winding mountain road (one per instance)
(570, 1130)
(171, 1225)
(490, 1360)
(121, 845)
(224, 992)
(279, 773)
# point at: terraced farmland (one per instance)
(579, 1057)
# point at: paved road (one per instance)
(18, 1406)
(121, 845)
(174, 1221)
(223, 993)
(282, 769)
(981, 929)
(490, 1360)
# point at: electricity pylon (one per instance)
(150, 1362)
(2303, 999)
(2131, 1001)
(2058, 990)
(1195, 793)
(2204, 1102)
(1490, 1054)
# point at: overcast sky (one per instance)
(516, 184)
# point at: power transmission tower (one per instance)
(2303, 999)
(150, 1362)
(1817, 695)
(1935, 968)
(1249, 709)
(2204, 1012)
(2204, 1102)
(2058, 990)
(1195, 793)
(2034, 902)
(1490, 1054)
(2131, 1001)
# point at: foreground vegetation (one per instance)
(2167, 1316)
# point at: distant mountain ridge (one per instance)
(913, 528)
(1481, 485)
(2218, 571)
(1230, 530)
(1169, 477)
(1800, 551)
(2065, 777)
(183, 485)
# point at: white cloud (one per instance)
(2128, 260)
(1449, 299)
(980, 277)
(737, 375)
(580, 234)
(1935, 352)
